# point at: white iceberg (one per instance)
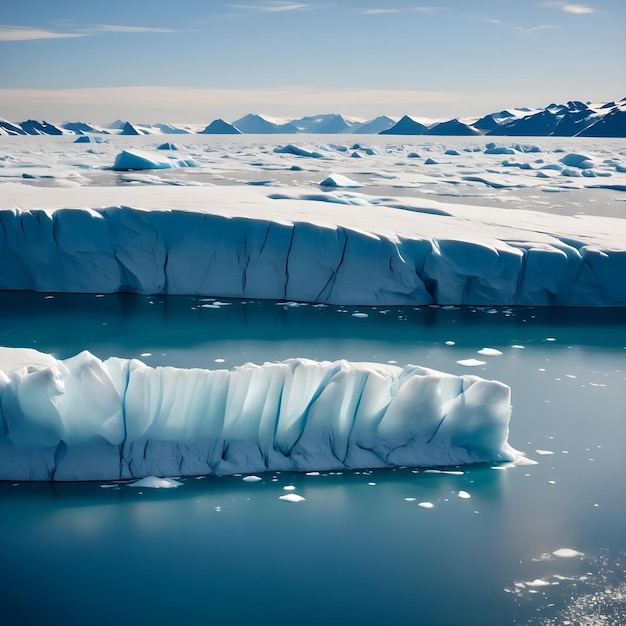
(140, 160)
(87, 419)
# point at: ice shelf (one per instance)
(346, 250)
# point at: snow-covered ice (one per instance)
(350, 248)
(87, 419)
(141, 160)
(437, 222)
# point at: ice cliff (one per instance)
(87, 419)
(345, 250)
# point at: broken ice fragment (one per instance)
(489, 352)
(291, 497)
(471, 362)
(567, 553)
(153, 482)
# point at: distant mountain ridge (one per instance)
(573, 119)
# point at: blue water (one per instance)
(225, 551)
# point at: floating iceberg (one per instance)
(87, 419)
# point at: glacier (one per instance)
(86, 419)
(340, 247)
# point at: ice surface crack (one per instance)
(293, 232)
(325, 292)
(59, 453)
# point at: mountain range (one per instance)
(574, 119)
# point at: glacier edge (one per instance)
(257, 250)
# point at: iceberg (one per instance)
(86, 419)
(140, 160)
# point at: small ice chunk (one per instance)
(567, 553)
(544, 452)
(410, 499)
(154, 482)
(470, 362)
(252, 479)
(146, 354)
(291, 497)
(518, 347)
(464, 495)
(538, 582)
(289, 488)
(489, 352)
(312, 474)
(450, 343)
(550, 338)
(338, 180)
(426, 505)
(219, 360)
(360, 315)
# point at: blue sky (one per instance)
(195, 60)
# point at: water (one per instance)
(221, 550)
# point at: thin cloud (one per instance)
(380, 11)
(18, 33)
(417, 9)
(577, 9)
(272, 7)
(534, 30)
(494, 21)
(113, 28)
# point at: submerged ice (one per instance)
(87, 419)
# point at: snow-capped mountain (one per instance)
(575, 118)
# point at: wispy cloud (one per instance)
(534, 30)
(18, 33)
(576, 9)
(416, 9)
(271, 7)
(115, 28)
(23, 33)
(493, 21)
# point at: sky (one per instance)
(192, 61)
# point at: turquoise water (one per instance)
(359, 549)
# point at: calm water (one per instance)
(359, 550)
